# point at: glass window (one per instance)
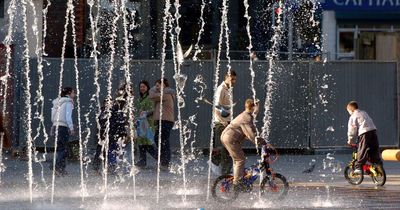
(2, 8)
(346, 42)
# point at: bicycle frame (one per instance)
(367, 168)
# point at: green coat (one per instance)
(145, 104)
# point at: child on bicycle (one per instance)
(362, 129)
(241, 128)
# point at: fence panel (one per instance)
(302, 91)
(372, 84)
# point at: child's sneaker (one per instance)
(357, 171)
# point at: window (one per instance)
(346, 44)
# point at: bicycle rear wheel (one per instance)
(274, 187)
(222, 189)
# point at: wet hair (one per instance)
(353, 104)
(146, 83)
(232, 73)
(66, 91)
(166, 83)
(105, 101)
(121, 92)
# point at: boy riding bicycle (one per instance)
(362, 129)
(241, 128)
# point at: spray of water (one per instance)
(270, 82)
(216, 79)
(128, 81)
(163, 55)
(94, 54)
(116, 16)
(28, 104)
(78, 103)
(67, 14)
(197, 47)
(180, 80)
(39, 103)
(4, 79)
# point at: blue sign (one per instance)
(362, 5)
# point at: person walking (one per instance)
(145, 125)
(61, 117)
(222, 116)
(167, 119)
(103, 117)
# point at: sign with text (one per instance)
(362, 5)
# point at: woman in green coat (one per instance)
(144, 113)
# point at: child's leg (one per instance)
(62, 148)
(153, 151)
(361, 152)
(96, 159)
(142, 155)
(112, 153)
(373, 145)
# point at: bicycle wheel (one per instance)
(222, 189)
(274, 187)
(379, 177)
(354, 179)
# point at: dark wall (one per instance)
(307, 107)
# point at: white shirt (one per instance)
(61, 113)
(359, 123)
(223, 97)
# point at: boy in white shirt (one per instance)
(362, 130)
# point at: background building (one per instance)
(364, 30)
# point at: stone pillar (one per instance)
(329, 38)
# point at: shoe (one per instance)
(239, 187)
(14, 153)
(64, 173)
(164, 168)
(140, 164)
(357, 171)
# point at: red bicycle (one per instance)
(375, 171)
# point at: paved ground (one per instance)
(324, 187)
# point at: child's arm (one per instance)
(352, 131)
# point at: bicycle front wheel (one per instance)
(351, 177)
(274, 187)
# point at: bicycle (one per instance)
(273, 184)
(375, 171)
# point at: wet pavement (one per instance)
(323, 187)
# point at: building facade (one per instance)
(361, 29)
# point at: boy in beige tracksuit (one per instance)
(241, 128)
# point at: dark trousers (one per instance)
(113, 156)
(62, 148)
(226, 160)
(143, 150)
(96, 159)
(368, 149)
(166, 127)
